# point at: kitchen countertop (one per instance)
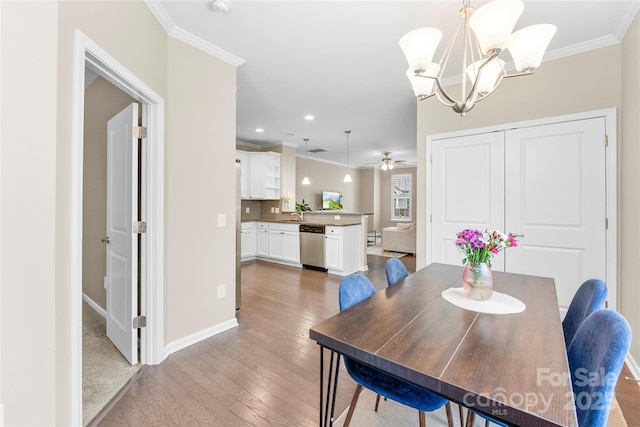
(323, 222)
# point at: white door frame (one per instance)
(88, 53)
(610, 116)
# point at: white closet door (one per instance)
(555, 196)
(467, 183)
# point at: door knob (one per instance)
(105, 240)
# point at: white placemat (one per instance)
(497, 304)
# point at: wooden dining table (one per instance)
(511, 367)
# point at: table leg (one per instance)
(327, 407)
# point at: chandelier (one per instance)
(485, 34)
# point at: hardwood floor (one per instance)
(265, 371)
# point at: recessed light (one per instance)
(259, 130)
(308, 117)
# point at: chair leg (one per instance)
(422, 419)
(377, 402)
(486, 423)
(447, 407)
(471, 417)
(352, 406)
(461, 412)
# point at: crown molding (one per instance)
(248, 144)
(625, 24)
(565, 52)
(180, 34)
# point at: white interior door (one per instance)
(555, 196)
(467, 190)
(122, 249)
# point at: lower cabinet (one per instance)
(248, 241)
(284, 242)
(280, 242)
(262, 239)
(277, 242)
(342, 249)
(333, 251)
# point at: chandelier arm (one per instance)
(524, 73)
(443, 92)
(444, 59)
(473, 94)
(423, 97)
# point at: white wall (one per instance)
(36, 163)
(629, 186)
(28, 32)
(199, 186)
(327, 176)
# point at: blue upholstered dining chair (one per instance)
(396, 271)
(600, 345)
(354, 289)
(590, 297)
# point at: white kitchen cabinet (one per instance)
(284, 242)
(248, 241)
(333, 252)
(259, 175)
(342, 249)
(262, 239)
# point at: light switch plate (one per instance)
(247, 210)
(222, 291)
(336, 217)
(222, 220)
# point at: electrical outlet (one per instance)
(277, 210)
(247, 210)
(222, 220)
(222, 291)
(336, 217)
(273, 210)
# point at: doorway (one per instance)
(90, 55)
(105, 368)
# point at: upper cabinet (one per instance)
(260, 175)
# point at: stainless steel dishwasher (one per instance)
(312, 246)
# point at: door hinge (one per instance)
(139, 322)
(430, 218)
(140, 132)
(606, 140)
(430, 158)
(140, 227)
(606, 223)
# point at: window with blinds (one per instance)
(401, 196)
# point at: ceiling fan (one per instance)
(387, 162)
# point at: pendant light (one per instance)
(305, 180)
(347, 177)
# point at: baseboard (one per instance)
(633, 366)
(198, 336)
(101, 311)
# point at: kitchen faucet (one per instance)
(299, 214)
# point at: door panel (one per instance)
(122, 250)
(555, 196)
(467, 184)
